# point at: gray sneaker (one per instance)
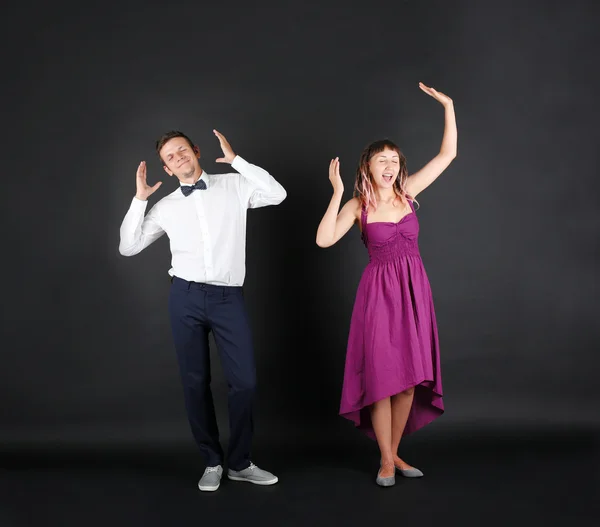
(211, 479)
(253, 474)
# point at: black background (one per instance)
(509, 233)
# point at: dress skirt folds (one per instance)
(393, 339)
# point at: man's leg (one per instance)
(190, 327)
(231, 329)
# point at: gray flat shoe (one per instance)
(385, 482)
(410, 472)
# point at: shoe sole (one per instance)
(268, 482)
(205, 488)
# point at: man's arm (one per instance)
(258, 187)
(137, 231)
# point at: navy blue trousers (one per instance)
(196, 309)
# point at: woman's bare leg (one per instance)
(381, 418)
(400, 404)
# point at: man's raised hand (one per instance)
(143, 191)
(228, 153)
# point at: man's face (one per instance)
(179, 158)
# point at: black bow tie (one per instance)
(188, 189)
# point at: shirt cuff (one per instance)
(239, 162)
(138, 204)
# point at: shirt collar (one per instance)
(203, 175)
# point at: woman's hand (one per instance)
(334, 176)
(437, 95)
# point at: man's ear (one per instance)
(168, 171)
(196, 151)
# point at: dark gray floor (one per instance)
(486, 479)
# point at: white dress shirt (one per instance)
(207, 229)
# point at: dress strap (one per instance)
(363, 223)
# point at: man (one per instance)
(205, 220)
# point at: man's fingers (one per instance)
(220, 136)
(141, 171)
(224, 143)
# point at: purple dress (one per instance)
(393, 341)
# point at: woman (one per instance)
(392, 381)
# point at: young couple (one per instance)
(392, 381)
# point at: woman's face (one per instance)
(385, 167)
